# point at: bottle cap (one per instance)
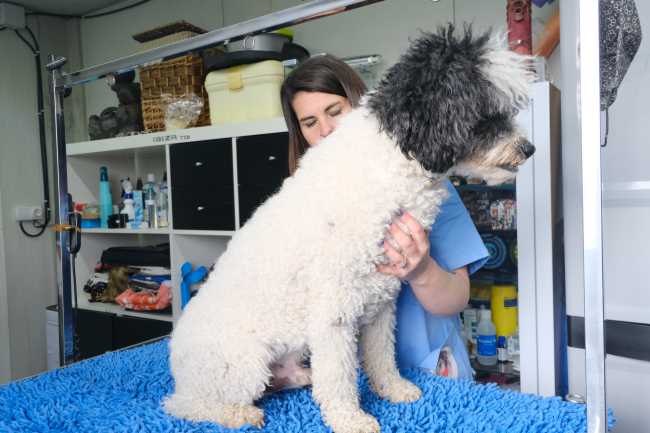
(103, 174)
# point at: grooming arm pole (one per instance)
(589, 112)
(64, 265)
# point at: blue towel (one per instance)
(122, 391)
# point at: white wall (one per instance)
(625, 173)
(28, 267)
(626, 166)
(5, 355)
(626, 212)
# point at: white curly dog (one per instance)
(300, 277)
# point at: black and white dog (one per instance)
(301, 275)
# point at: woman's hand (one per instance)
(407, 248)
(438, 291)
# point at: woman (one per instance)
(434, 264)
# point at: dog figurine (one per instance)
(300, 277)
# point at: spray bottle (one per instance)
(105, 199)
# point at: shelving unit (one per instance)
(502, 373)
(217, 176)
(140, 231)
(85, 304)
(226, 233)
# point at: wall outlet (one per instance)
(12, 16)
(29, 213)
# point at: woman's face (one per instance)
(318, 114)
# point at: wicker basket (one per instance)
(176, 78)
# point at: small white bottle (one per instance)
(486, 339)
(470, 324)
(128, 208)
(163, 204)
(151, 214)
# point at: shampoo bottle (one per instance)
(105, 200)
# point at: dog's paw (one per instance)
(236, 416)
(399, 391)
(356, 422)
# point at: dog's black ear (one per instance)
(431, 98)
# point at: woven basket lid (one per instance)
(166, 30)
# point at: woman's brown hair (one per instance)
(325, 74)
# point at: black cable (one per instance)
(42, 229)
(103, 14)
(75, 313)
(74, 245)
(41, 129)
(51, 14)
(31, 48)
(31, 34)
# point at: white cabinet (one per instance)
(217, 176)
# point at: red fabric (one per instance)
(520, 37)
(146, 300)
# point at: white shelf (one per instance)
(204, 233)
(103, 307)
(158, 139)
(147, 231)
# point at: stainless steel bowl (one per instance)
(263, 42)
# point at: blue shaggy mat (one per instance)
(121, 392)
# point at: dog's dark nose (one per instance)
(527, 148)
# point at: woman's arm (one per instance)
(439, 291)
(442, 292)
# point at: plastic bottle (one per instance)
(163, 207)
(503, 301)
(502, 349)
(138, 204)
(151, 216)
(470, 323)
(105, 199)
(487, 339)
(128, 209)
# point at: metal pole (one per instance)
(64, 269)
(589, 112)
(273, 21)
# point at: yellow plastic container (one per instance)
(504, 309)
(480, 293)
(244, 93)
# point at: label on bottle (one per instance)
(502, 351)
(487, 345)
(510, 302)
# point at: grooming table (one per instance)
(121, 392)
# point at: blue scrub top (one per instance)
(420, 335)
